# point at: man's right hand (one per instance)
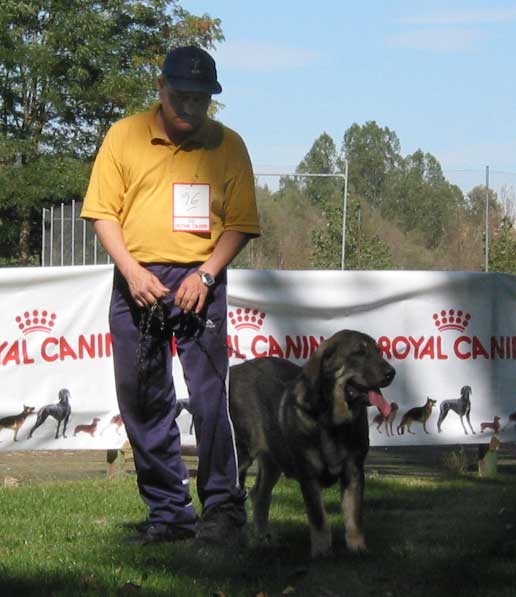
(144, 286)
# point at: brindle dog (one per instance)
(311, 424)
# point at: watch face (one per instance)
(207, 279)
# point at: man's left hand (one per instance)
(192, 294)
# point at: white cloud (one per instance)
(258, 56)
(467, 17)
(436, 39)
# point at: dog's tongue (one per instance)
(377, 399)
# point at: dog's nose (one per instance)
(389, 375)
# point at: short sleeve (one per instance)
(104, 197)
(240, 209)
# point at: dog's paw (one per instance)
(356, 543)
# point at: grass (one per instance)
(426, 535)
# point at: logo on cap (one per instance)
(196, 66)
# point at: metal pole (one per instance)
(43, 238)
(487, 219)
(51, 262)
(84, 242)
(344, 216)
(62, 233)
(73, 231)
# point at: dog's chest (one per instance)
(327, 458)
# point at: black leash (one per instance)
(154, 327)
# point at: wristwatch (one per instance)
(206, 278)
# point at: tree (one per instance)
(372, 153)
(68, 69)
(502, 256)
(476, 203)
(418, 197)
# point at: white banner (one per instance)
(445, 333)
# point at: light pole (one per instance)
(487, 219)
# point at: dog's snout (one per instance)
(389, 374)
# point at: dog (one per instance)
(494, 425)
(419, 414)
(91, 428)
(116, 421)
(310, 423)
(15, 422)
(461, 406)
(184, 404)
(60, 411)
(388, 421)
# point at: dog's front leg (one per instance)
(352, 487)
(261, 494)
(320, 531)
(65, 424)
(469, 423)
(463, 426)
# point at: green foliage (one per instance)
(68, 70)
(502, 254)
(418, 197)
(372, 153)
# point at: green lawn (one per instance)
(427, 535)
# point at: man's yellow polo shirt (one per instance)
(133, 179)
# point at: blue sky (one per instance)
(441, 74)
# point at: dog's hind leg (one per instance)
(442, 415)
(42, 417)
(261, 494)
(320, 531)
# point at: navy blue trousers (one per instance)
(148, 404)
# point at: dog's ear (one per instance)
(308, 387)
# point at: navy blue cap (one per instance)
(190, 68)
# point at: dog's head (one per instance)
(64, 396)
(465, 392)
(346, 372)
(431, 403)
(28, 410)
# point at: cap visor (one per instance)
(212, 87)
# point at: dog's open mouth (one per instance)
(372, 396)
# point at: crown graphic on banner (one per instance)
(36, 321)
(451, 320)
(247, 318)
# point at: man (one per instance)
(172, 199)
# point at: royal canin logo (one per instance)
(34, 347)
(451, 320)
(463, 347)
(245, 319)
(36, 321)
(241, 319)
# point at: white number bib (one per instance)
(191, 207)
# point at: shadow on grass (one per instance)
(425, 536)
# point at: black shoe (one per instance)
(160, 533)
(222, 525)
(140, 526)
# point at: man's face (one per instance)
(183, 111)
